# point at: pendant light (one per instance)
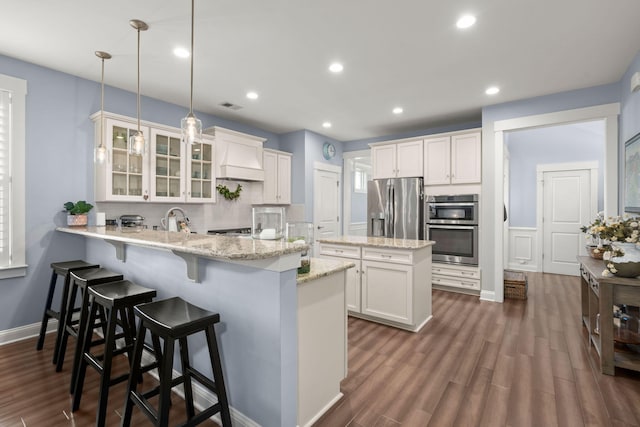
(191, 125)
(100, 152)
(137, 143)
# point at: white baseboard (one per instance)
(328, 406)
(23, 332)
(488, 296)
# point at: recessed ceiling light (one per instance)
(181, 52)
(326, 124)
(398, 110)
(492, 90)
(466, 21)
(336, 67)
(252, 95)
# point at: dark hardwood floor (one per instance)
(521, 363)
(32, 394)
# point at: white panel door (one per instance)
(566, 207)
(326, 194)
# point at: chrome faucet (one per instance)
(177, 225)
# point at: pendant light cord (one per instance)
(102, 107)
(138, 80)
(192, 15)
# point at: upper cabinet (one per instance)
(168, 171)
(398, 159)
(123, 177)
(181, 173)
(454, 159)
(277, 177)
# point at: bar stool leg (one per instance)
(165, 383)
(82, 325)
(188, 390)
(136, 372)
(84, 342)
(225, 414)
(68, 321)
(107, 361)
(45, 316)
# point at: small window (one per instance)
(361, 174)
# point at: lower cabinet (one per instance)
(391, 286)
(387, 291)
(459, 278)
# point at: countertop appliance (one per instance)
(395, 208)
(452, 222)
(131, 220)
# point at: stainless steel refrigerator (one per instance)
(395, 208)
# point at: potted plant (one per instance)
(77, 212)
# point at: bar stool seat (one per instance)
(117, 299)
(63, 269)
(174, 319)
(80, 281)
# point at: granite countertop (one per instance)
(324, 267)
(379, 242)
(211, 246)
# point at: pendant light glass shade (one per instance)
(191, 125)
(137, 144)
(100, 152)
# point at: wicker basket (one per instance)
(515, 284)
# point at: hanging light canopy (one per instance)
(191, 125)
(100, 152)
(137, 143)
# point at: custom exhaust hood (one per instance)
(238, 155)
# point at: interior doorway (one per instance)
(357, 171)
(326, 200)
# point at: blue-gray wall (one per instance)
(59, 167)
(555, 144)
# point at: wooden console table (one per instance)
(599, 294)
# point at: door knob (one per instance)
(319, 227)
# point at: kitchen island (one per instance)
(391, 283)
(278, 333)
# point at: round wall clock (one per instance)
(328, 150)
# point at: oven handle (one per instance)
(471, 204)
(457, 227)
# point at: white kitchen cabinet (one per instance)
(453, 159)
(459, 277)
(397, 159)
(181, 173)
(277, 177)
(352, 286)
(122, 177)
(388, 285)
(387, 291)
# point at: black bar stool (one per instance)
(117, 299)
(59, 269)
(175, 319)
(81, 280)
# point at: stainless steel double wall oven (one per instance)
(452, 221)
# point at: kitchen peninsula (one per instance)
(391, 283)
(282, 337)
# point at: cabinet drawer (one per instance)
(595, 286)
(456, 282)
(340, 250)
(388, 255)
(456, 271)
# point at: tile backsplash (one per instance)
(203, 217)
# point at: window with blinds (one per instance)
(5, 177)
(13, 95)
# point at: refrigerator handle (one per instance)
(392, 210)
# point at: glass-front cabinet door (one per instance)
(200, 178)
(167, 167)
(124, 176)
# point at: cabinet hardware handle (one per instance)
(467, 272)
(467, 283)
(385, 256)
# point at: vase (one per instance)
(77, 220)
(627, 265)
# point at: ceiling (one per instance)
(405, 53)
